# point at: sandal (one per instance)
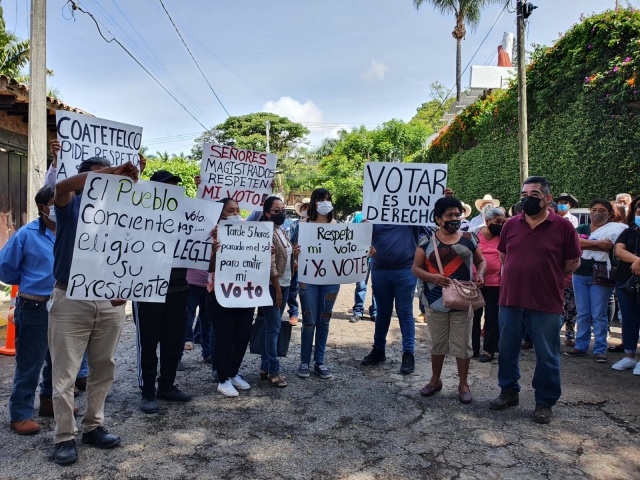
(277, 380)
(264, 375)
(188, 345)
(601, 358)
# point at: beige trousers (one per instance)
(76, 325)
(450, 333)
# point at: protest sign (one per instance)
(197, 219)
(82, 137)
(402, 193)
(333, 253)
(243, 264)
(244, 175)
(124, 239)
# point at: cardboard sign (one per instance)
(334, 253)
(243, 264)
(402, 193)
(244, 175)
(82, 137)
(125, 237)
(197, 219)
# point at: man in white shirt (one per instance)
(565, 202)
(480, 204)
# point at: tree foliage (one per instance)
(584, 119)
(430, 113)
(185, 168)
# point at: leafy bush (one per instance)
(185, 169)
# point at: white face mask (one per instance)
(324, 208)
(303, 214)
(234, 218)
(52, 214)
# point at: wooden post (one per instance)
(37, 135)
(523, 131)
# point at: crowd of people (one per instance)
(538, 269)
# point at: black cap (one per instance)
(163, 176)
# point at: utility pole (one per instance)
(268, 123)
(37, 134)
(524, 10)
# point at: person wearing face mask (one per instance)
(450, 330)
(538, 250)
(231, 326)
(565, 202)
(624, 199)
(488, 237)
(592, 298)
(27, 261)
(282, 269)
(301, 209)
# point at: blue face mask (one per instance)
(563, 207)
(638, 221)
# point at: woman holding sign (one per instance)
(232, 326)
(282, 266)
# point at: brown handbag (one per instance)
(459, 295)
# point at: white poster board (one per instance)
(82, 137)
(197, 219)
(402, 193)
(125, 236)
(244, 175)
(333, 253)
(243, 264)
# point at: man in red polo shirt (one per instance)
(538, 249)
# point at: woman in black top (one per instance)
(628, 252)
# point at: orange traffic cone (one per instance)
(10, 342)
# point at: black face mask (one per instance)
(278, 218)
(531, 206)
(495, 230)
(452, 226)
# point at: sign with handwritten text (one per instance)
(125, 237)
(402, 193)
(333, 253)
(243, 264)
(83, 137)
(244, 175)
(197, 219)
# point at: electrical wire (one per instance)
(114, 39)
(193, 58)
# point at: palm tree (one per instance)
(467, 12)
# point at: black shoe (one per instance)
(65, 453)
(375, 357)
(149, 404)
(408, 363)
(173, 395)
(542, 414)
(485, 358)
(506, 399)
(99, 437)
(372, 318)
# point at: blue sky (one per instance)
(325, 63)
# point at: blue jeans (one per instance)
(46, 385)
(630, 309)
(317, 306)
(359, 298)
(273, 320)
(592, 305)
(292, 298)
(544, 330)
(32, 320)
(196, 300)
(398, 285)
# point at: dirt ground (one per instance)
(365, 423)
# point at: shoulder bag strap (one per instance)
(435, 250)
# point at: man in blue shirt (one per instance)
(27, 261)
(361, 291)
(79, 325)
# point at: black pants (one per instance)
(160, 323)
(491, 328)
(232, 328)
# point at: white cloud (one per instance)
(377, 71)
(308, 114)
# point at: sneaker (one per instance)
(101, 438)
(149, 404)
(408, 363)
(355, 318)
(239, 383)
(227, 389)
(173, 394)
(375, 357)
(214, 376)
(506, 399)
(422, 318)
(542, 414)
(65, 452)
(625, 364)
(322, 371)
(303, 370)
(636, 370)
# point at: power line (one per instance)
(114, 39)
(193, 58)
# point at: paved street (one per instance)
(365, 423)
